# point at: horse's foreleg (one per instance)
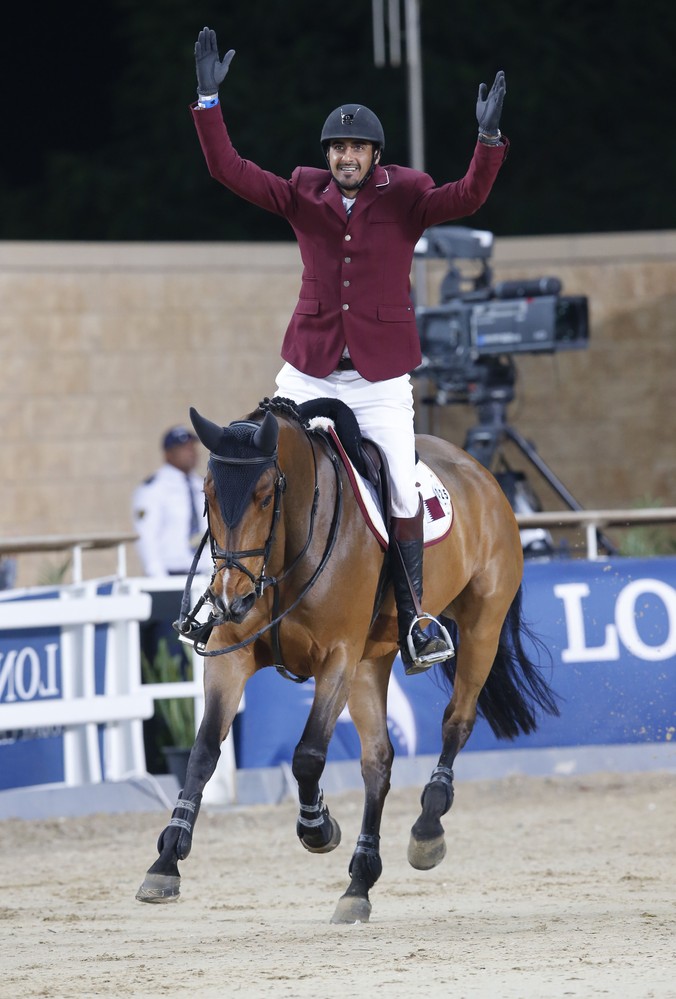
(316, 829)
(368, 709)
(162, 880)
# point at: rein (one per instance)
(194, 633)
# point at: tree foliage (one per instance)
(100, 145)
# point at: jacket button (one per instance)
(348, 238)
(346, 284)
(348, 260)
(346, 307)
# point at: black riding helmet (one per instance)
(354, 121)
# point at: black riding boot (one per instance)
(407, 576)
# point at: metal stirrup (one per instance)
(432, 657)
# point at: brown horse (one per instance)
(301, 581)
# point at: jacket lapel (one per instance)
(333, 198)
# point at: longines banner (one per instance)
(30, 670)
(610, 629)
(71, 701)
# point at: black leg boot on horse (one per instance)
(418, 650)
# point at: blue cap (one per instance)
(176, 436)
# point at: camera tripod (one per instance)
(490, 391)
(484, 440)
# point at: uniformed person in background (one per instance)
(168, 510)
(353, 334)
(168, 515)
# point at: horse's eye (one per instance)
(267, 500)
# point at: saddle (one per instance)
(369, 474)
(366, 456)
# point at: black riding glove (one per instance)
(489, 107)
(211, 71)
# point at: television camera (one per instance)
(466, 338)
(469, 341)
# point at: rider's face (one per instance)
(349, 162)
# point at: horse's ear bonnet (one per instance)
(240, 453)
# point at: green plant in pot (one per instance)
(175, 716)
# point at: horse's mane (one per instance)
(285, 407)
(338, 412)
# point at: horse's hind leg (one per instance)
(479, 623)
(162, 880)
(368, 709)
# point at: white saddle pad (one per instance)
(438, 508)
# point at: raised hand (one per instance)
(489, 106)
(211, 71)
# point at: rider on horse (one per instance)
(353, 333)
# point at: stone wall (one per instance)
(103, 346)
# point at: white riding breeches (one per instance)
(384, 412)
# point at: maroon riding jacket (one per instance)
(355, 287)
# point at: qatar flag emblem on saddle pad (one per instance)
(438, 508)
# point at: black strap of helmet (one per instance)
(371, 168)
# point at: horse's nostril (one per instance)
(217, 602)
(240, 606)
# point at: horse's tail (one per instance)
(515, 688)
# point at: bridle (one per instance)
(196, 633)
(233, 559)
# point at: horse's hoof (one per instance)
(327, 847)
(159, 888)
(352, 909)
(424, 854)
